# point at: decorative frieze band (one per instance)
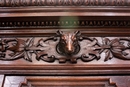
(12, 3)
(65, 46)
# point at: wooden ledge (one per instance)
(64, 11)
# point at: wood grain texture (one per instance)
(67, 81)
(67, 69)
(41, 19)
(60, 81)
(61, 11)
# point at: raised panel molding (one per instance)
(71, 81)
(67, 81)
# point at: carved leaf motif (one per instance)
(28, 51)
(106, 41)
(28, 56)
(19, 48)
(116, 45)
(116, 49)
(108, 55)
(16, 56)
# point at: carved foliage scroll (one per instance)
(65, 46)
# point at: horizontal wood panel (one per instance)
(60, 81)
(66, 70)
(98, 32)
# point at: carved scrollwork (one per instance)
(12, 3)
(65, 46)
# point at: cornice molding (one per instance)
(28, 8)
(38, 11)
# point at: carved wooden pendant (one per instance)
(65, 46)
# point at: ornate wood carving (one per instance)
(28, 41)
(65, 46)
(13, 3)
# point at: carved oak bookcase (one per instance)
(64, 43)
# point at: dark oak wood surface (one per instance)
(28, 26)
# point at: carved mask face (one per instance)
(68, 42)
